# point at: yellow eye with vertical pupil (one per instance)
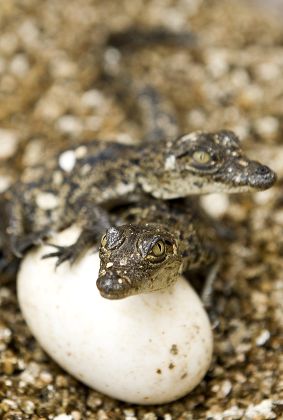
(202, 157)
(103, 241)
(158, 249)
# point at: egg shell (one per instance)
(146, 349)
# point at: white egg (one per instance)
(146, 349)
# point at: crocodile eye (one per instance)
(205, 161)
(103, 241)
(201, 156)
(158, 249)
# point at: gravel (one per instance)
(59, 85)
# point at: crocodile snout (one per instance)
(261, 177)
(113, 286)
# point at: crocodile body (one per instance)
(81, 185)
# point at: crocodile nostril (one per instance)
(262, 170)
(104, 283)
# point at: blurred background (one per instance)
(64, 70)
(72, 71)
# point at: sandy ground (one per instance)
(61, 82)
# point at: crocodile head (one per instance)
(199, 163)
(137, 258)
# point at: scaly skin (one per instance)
(164, 239)
(79, 186)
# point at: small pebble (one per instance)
(112, 58)
(8, 43)
(47, 201)
(19, 65)
(29, 32)
(129, 413)
(268, 71)
(263, 338)
(76, 415)
(215, 204)
(149, 416)
(62, 67)
(7, 404)
(225, 389)
(101, 415)
(46, 377)
(63, 417)
(263, 197)
(93, 99)
(28, 407)
(5, 334)
(5, 182)
(261, 410)
(94, 400)
(8, 143)
(69, 124)
(267, 126)
(250, 96)
(67, 160)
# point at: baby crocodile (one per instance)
(80, 185)
(164, 240)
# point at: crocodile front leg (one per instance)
(94, 222)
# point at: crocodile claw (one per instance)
(63, 254)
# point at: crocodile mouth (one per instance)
(252, 177)
(111, 296)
